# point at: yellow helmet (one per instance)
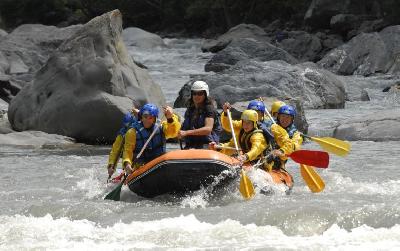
(275, 106)
(250, 115)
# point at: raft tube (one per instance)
(182, 171)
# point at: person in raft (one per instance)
(262, 123)
(116, 151)
(137, 136)
(250, 139)
(286, 138)
(201, 123)
(274, 111)
(285, 119)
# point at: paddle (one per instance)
(310, 157)
(332, 145)
(312, 179)
(116, 193)
(246, 187)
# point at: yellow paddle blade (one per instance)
(246, 186)
(312, 179)
(332, 145)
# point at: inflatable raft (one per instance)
(183, 171)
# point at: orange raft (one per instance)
(183, 171)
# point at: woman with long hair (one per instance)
(201, 124)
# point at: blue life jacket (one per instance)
(265, 127)
(291, 130)
(191, 123)
(124, 129)
(156, 146)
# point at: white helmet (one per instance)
(200, 86)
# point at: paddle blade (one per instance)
(332, 145)
(114, 194)
(312, 179)
(312, 158)
(246, 186)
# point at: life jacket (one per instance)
(245, 142)
(124, 129)
(265, 127)
(192, 121)
(156, 146)
(291, 130)
(277, 162)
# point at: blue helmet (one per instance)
(127, 120)
(287, 109)
(150, 109)
(256, 105)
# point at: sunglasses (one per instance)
(200, 93)
(147, 116)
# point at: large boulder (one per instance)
(248, 79)
(382, 126)
(366, 54)
(240, 31)
(86, 86)
(358, 88)
(140, 38)
(302, 45)
(245, 49)
(27, 48)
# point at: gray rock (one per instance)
(357, 87)
(8, 89)
(5, 126)
(320, 12)
(3, 33)
(35, 139)
(368, 26)
(302, 45)
(26, 49)
(247, 80)
(344, 22)
(366, 54)
(364, 96)
(237, 32)
(331, 41)
(245, 49)
(140, 38)
(86, 86)
(358, 56)
(382, 126)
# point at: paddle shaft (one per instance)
(225, 147)
(246, 187)
(233, 132)
(269, 115)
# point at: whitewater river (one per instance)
(52, 199)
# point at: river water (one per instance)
(52, 199)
